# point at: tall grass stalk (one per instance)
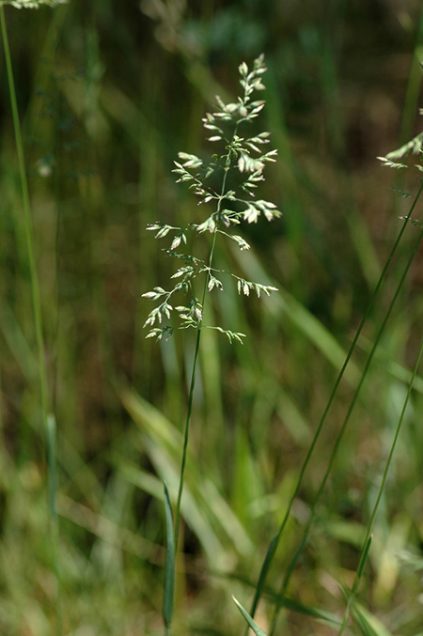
(170, 565)
(187, 424)
(273, 546)
(246, 158)
(54, 525)
(197, 347)
(28, 232)
(341, 433)
(48, 422)
(371, 521)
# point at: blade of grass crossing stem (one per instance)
(290, 603)
(300, 608)
(250, 622)
(270, 553)
(367, 539)
(350, 594)
(273, 546)
(169, 583)
(29, 242)
(343, 428)
(364, 556)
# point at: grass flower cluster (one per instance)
(227, 183)
(32, 4)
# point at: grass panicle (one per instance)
(243, 155)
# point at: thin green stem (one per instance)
(196, 354)
(36, 303)
(370, 524)
(273, 546)
(343, 428)
(190, 400)
(187, 425)
(29, 242)
(54, 522)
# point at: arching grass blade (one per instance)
(169, 583)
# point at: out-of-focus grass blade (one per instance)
(16, 341)
(196, 519)
(368, 624)
(364, 556)
(349, 532)
(247, 484)
(300, 608)
(284, 303)
(263, 572)
(169, 583)
(364, 247)
(283, 601)
(391, 367)
(256, 629)
(54, 529)
(52, 466)
(163, 443)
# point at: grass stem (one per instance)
(29, 241)
(353, 402)
(48, 429)
(196, 355)
(370, 524)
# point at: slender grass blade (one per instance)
(256, 629)
(369, 625)
(169, 584)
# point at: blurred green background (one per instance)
(108, 93)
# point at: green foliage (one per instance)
(96, 101)
(169, 582)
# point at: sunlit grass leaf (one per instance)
(31, 4)
(368, 624)
(196, 519)
(256, 629)
(206, 510)
(169, 584)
